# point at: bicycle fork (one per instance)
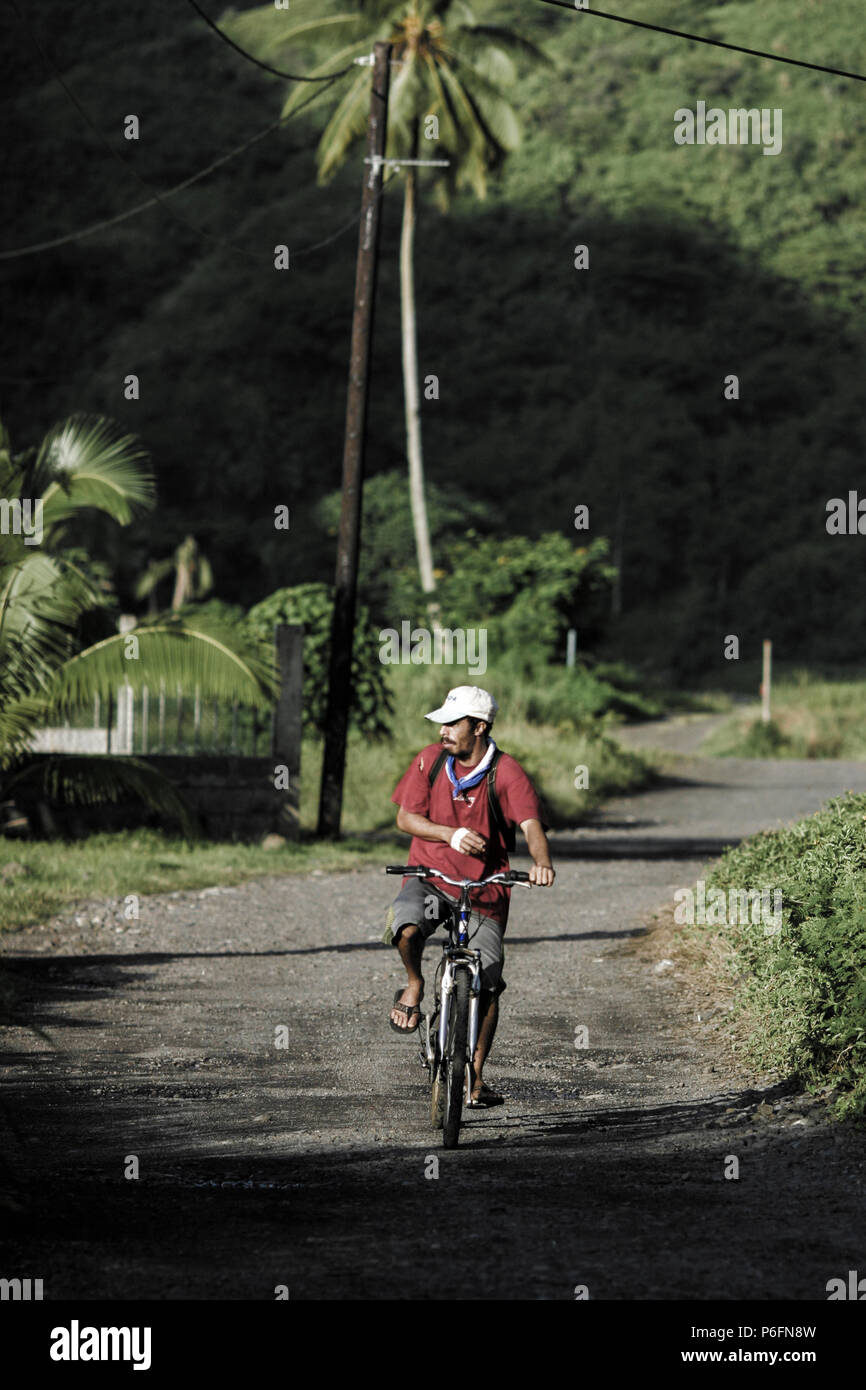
(462, 960)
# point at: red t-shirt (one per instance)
(519, 802)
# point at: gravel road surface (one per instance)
(312, 1165)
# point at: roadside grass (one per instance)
(550, 751)
(813, 717)
(799, 993)
(55, 873)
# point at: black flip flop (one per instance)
(409, 1010)
(485, 1099)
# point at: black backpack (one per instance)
(506, 830)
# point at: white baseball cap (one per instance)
(465, 701)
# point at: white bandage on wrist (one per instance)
(458, 837)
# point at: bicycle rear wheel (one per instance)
(454, 1061)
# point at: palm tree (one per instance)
(193, 576)
(46, 589)
(449, 68)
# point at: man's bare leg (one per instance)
(410, 944)
(488, 1017)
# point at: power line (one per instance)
(266, 67)
(151, 202)
(353, 221)
(158, 197)
(697, 38)
(304, 251)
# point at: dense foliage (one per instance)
(59, 644)
(806, 984)
(557, 386)
(312, 605)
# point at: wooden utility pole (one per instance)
(346, 579)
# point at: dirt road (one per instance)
(313, 1166)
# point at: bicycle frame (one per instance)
(458, 955)
(451, 1073)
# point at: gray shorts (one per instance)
(418, 905)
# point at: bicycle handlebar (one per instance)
(509, 876)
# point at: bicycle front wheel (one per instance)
(454, 1061)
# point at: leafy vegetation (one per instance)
(557, 386)
(550, 742)
(802, 990)
(445, 85)
(47, 877)
(50, 594)
(814, 716)
(312, 605)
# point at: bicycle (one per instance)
(450, 1042)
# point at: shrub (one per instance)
(312, 605)
(805, 986)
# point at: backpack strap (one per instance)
(437, 766)
(505, 829)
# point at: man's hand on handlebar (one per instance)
(542, 875)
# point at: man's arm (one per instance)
(413, 823)
(542, 872)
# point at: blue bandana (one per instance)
(462, 784)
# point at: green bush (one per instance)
(388, 581)
(805, 986)
(580, 696)
(763, 740)
(312, 605)
(527, 593)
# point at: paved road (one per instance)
(312, 1165)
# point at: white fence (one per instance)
(158, 722)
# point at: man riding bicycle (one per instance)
(459, 800)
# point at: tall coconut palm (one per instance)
(46, 671)
(448, 67)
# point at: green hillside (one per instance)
(558, 386)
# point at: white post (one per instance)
(120, 702)
(130, 718)
(571, 648)
(765, 683)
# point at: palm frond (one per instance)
(347, 124)
(265, 33)
(169, 650)
(153, 575)
(480, 35)
(81, 780)
(339, 60)
(87, 462)
(18, 721)
(487, 113)
(41, 601)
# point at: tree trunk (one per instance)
(411, 395)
